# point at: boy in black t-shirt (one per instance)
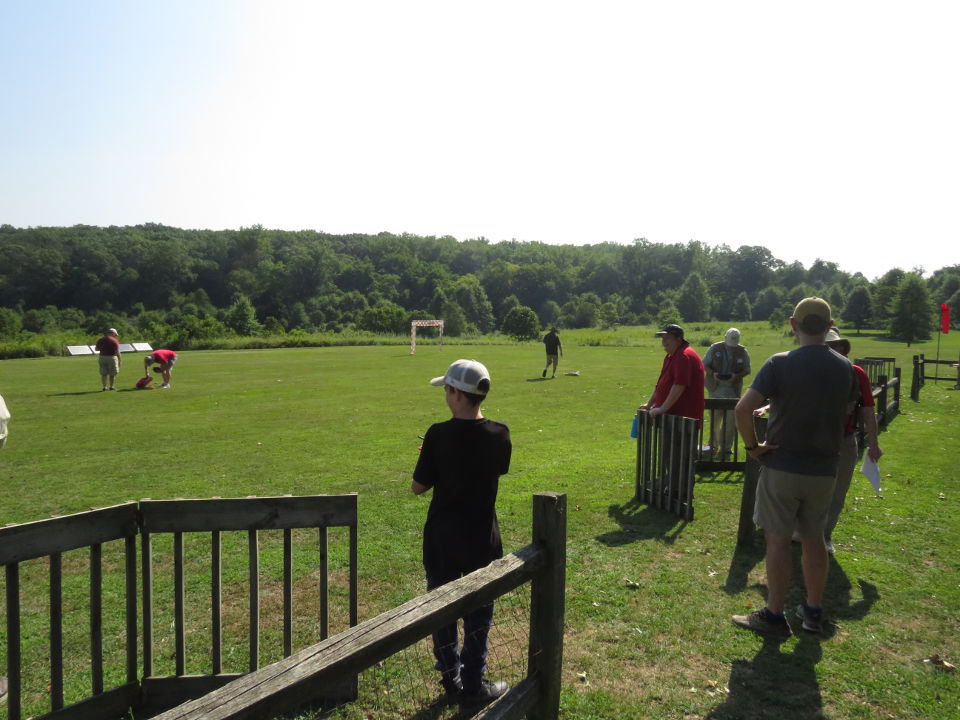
(462, 459)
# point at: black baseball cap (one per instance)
(671, 329)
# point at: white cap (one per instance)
(732, 338)
(111, 331)
(464, 375)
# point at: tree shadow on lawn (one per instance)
(837, 596)
(641, 522)
(774, 684)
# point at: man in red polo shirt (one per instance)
(679, 390)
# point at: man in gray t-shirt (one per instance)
(810, 390)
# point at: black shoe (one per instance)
(451, 690)
(544, 373)
(812, 618)
(764, 621)
(486, 693)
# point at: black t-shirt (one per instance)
(462, 460)
(809, 389)
(552, 341)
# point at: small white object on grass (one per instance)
(575, 373)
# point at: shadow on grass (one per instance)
(838, 596)
(540, 379)
(774, 684)
(82, 392)
(727, 477)
(641, 522)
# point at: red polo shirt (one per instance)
(684, 367)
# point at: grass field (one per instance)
(648, 633)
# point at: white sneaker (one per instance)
(165, 385)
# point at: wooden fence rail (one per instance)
(289, 684)
(146, 694)
(920, 374)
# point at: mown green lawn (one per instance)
(648, 598)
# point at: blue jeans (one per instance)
(470, 661)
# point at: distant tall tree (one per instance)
(607, 315)
(385, 318)
(454, 319)
(521, 323)
(799, 292)
(470, 295)
(549, 313)
(10, 322)
(859, 308)
(884, 291)
(767, 300)
(834, 296)
(912, 316)
(693, 300)
(241, 317)
(741, 308)
(668, 313)
(778, 318)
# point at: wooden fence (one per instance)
(289, 684)
(147, 694)
(667, 452)
(920, 374)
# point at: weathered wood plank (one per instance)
(295, 681)
(255, 513)
(56, 631)
(515, 704)
(14, 660)
(114, 703)
(547, 605)
(61, 534)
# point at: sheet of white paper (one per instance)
(872, 471)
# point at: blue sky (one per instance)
(822, 130)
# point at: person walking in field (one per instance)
(109, 359)
(554, 351)
(462, 460)
(725, 364)
(811, 389)
(165, 359)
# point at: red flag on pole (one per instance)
(944, 319)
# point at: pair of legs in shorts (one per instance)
(109, 367)
(551, 360)
(788, 501)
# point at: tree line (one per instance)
(180, 285)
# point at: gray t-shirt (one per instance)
(809, 389)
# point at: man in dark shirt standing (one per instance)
(462, 459)
(811, 389)
(109, 348)
(554, 351)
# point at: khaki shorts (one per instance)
(109, 365)
(788, 501)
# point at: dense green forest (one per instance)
(180, 286)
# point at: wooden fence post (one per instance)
(882, 401)
(751, 476)
(916, 381)
(547, 603)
